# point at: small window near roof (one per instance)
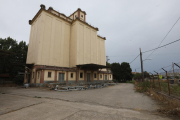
(49, 74)
(71, 75)
(81, 75)
(81, 15)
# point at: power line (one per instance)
(124, 56)
(134, 59)
(154, 54)
(157, 48)
(164, 37)
(167, 66)
(161, 47)
(171, 68)
(169, 31)
(161, 42)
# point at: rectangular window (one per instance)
(49, 74)
(81, 75)
(71, 75)
(110, 76)
(100, 76)
(94, 75)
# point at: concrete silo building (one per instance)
(65, 49)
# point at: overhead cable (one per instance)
(161, 46)
(164, 38)
(134, 59)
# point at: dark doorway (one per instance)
(88, 77)
(61, 77)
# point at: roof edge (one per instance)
(51, 8)
(77, 10)
(77, 19)
(37, 14)
(102, 37)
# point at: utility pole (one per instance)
(173, 71)
(107, 62)
(107, 59)
(141, 65)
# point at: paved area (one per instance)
(117, 102)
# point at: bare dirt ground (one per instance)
(117, 102)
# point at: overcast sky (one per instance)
(127, 25)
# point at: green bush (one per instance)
(133, 81)
(19, 79)
(144, 85)
(114, 80)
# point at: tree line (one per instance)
(18, 55)
(121, 72)
(139, 75)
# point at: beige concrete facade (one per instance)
(38, 76)
(100, 76)
(51, 78)
(49, 41)
(86, 47)
(60, 42)
(56, 42)
(73, 78)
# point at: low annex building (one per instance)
(65, 49)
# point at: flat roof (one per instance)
(94, 66)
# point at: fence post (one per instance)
(153, 82)
(168, 83)
(159, 82)
(150, 80)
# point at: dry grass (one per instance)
(174, 88)
(167, 105)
